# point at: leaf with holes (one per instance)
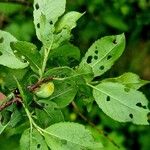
(103, 53)
(64, 27)
(7, 57)
(121, 103)
(30, 52)
(130, 80)
(60, 38)
(32, 141)
(66, 136)
(46, 13)
(68, 21)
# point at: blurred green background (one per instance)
(102, 17)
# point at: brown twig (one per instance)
(31, 88)
(93, 125)
(14, 100)
(21, 2)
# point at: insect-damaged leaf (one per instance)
(32, 141)
(67, 136)
(103, 53)
(130, 80)
(122, 103)
(7, 57)
(46, 13)
(30, 52)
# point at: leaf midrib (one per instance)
(115, 99)
(106, 53)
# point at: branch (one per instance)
(93, 125)
(21, 2)
(31, 88)
(7, 104)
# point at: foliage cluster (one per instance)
(41, 82)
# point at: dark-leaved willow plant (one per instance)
(40, 83)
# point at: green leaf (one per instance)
(68, 21)
(7, 57)
(60, 72)
(64, 93)
(66, 82)
(66, 136)
(46, 13)
(6, 76)
(60, 38)
(86, 72)
(48, 114)
(23, 92)
(2, 127)
(16, 117)
(32, 141)
(121, 103)
(103, 53)
(64, 27)
(130, 80)
(64, 73)
(30, 52)
(64, 55)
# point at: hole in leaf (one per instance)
(101, 67)
(39, 145)
(89, 59)
(148, 105)
(148, 116)
(51, 22)
(37, 6)
(140, 105)
(108, 98)
(109, 57)
(96, 47)
(126, 89)
(1, 40)
(38, 25)
(144, 107)
(1, 53)
(95, 57)
(96, 52)
(115, 41)
(131, 116)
